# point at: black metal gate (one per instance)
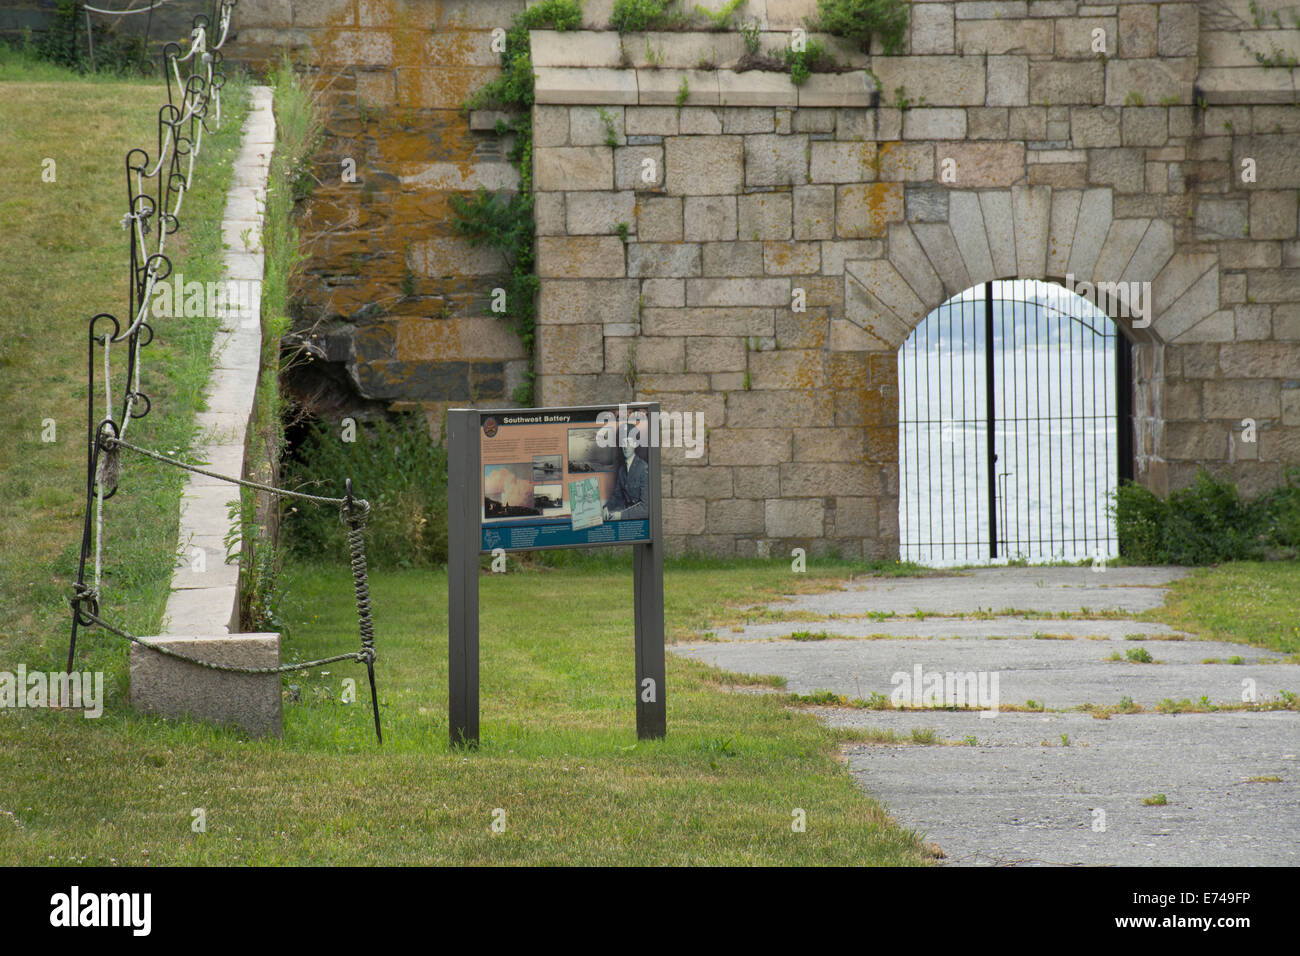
(1014, 427)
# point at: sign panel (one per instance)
(556, 478)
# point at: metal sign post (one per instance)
(571, 491)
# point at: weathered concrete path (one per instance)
(1057, 786)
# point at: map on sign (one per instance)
(584, 500)
(556, 478)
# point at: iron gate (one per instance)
(1014, 427)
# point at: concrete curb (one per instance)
(202, 615)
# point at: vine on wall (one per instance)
(503, 220)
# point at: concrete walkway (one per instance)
(1057, 786)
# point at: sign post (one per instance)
(530, 479)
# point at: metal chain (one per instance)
(362, 655)
(109, 443)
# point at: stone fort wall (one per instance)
(1117, 166)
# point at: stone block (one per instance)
(638, 167)
(1094, 126)
(736, 516)
(580, 257)
(999, 37)
(738, 292)
(595, 126)
(852, 89)
(664, 87)
(733, 259)
(755, 88)
(1075, 37)
(929, 124)
(571, 349)
(939, 80)
(579, 86)
(762, 216)
(743, 322)
(588, 300)
(987, 122)
(776, 160)
(864, 210)
(1053, 83)
(715, 354)
(651, 121)
(786, 518)
(597, 213)
(932, 28)
(1273, 215)
(814, 212)
(905, 162)
(1008, 81)
(749, 446)
(173, 688)
(1156, 82)
(791, 258)
(984, 164)
(659, 219)
(663, 259)
(1179, 27)
(566, 168)
(1221, 218)
(702, 481)
(704, 165)
(834, 162)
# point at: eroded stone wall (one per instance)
(395, 305)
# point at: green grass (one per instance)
(559, 751)
(1247, 602)
(64, 259)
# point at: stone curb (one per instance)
(202, 615)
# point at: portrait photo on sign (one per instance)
(629, 494)
(508, 491)
(586, 453)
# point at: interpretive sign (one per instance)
(536, 478)
(560, 478)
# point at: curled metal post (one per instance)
(355, 511)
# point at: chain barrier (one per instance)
(155, 195)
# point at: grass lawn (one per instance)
(559, 751)
(65, 259)
(1250, 602)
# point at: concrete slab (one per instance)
(1057, 674)
(1020, 796)
(956, 628)
(1048, 589)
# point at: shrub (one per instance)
(397, 468)
(859, 20)
(1206, 523)
(1139, 523)
(634, 16)
(803, 63)
(554, 15)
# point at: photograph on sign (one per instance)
(559, 479)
